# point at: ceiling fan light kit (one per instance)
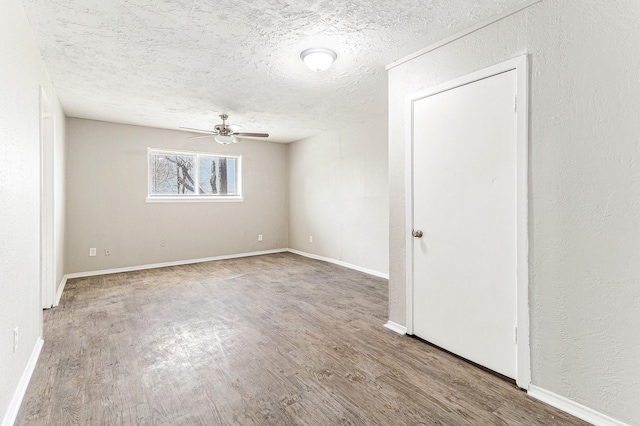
(225, 140)
(224, 133)
(318, 58)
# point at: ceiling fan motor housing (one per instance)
(222, 129)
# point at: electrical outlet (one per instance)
(107, 252)
(259, 237)
(163, 243)
(92, 251)
(15, 340)
(310, 238)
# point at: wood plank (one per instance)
(276, 339)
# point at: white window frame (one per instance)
(194, 198)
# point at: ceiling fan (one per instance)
(225, 133)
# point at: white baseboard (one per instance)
(400, 329)
(568, 406)
(165, 264)
(18, 395)
(341, 263)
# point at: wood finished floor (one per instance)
(277, 339)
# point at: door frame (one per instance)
(521, 65)
(47, 211)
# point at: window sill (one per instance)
(196, 199)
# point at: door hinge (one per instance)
(515, 334)
(515, 103)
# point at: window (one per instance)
(193, 176)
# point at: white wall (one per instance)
(584, 183)
(22, 72)
(106, 208)
(338, 193)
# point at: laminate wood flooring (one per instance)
(276, 339)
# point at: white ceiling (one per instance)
(171, 63)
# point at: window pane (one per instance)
(232, 175)
(218, 175)
(208, 167)
(193, 175)
(172, 174)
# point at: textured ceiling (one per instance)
(171, 63)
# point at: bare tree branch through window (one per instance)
(192, 174)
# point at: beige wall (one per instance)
(22, 72)
(339, 195)
(584, 189)
(107, 187)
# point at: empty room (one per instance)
(320, 212)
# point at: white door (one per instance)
(464, 202)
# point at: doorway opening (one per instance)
(47, 237)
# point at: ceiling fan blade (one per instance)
(199, 130)
(203, 136)
(251, 135)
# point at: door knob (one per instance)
(417, 233)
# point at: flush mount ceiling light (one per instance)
(318, 58)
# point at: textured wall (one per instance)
(107, 187)
(338, 194)
(21, 75)
(584, 183)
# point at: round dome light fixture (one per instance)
(318, 58)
